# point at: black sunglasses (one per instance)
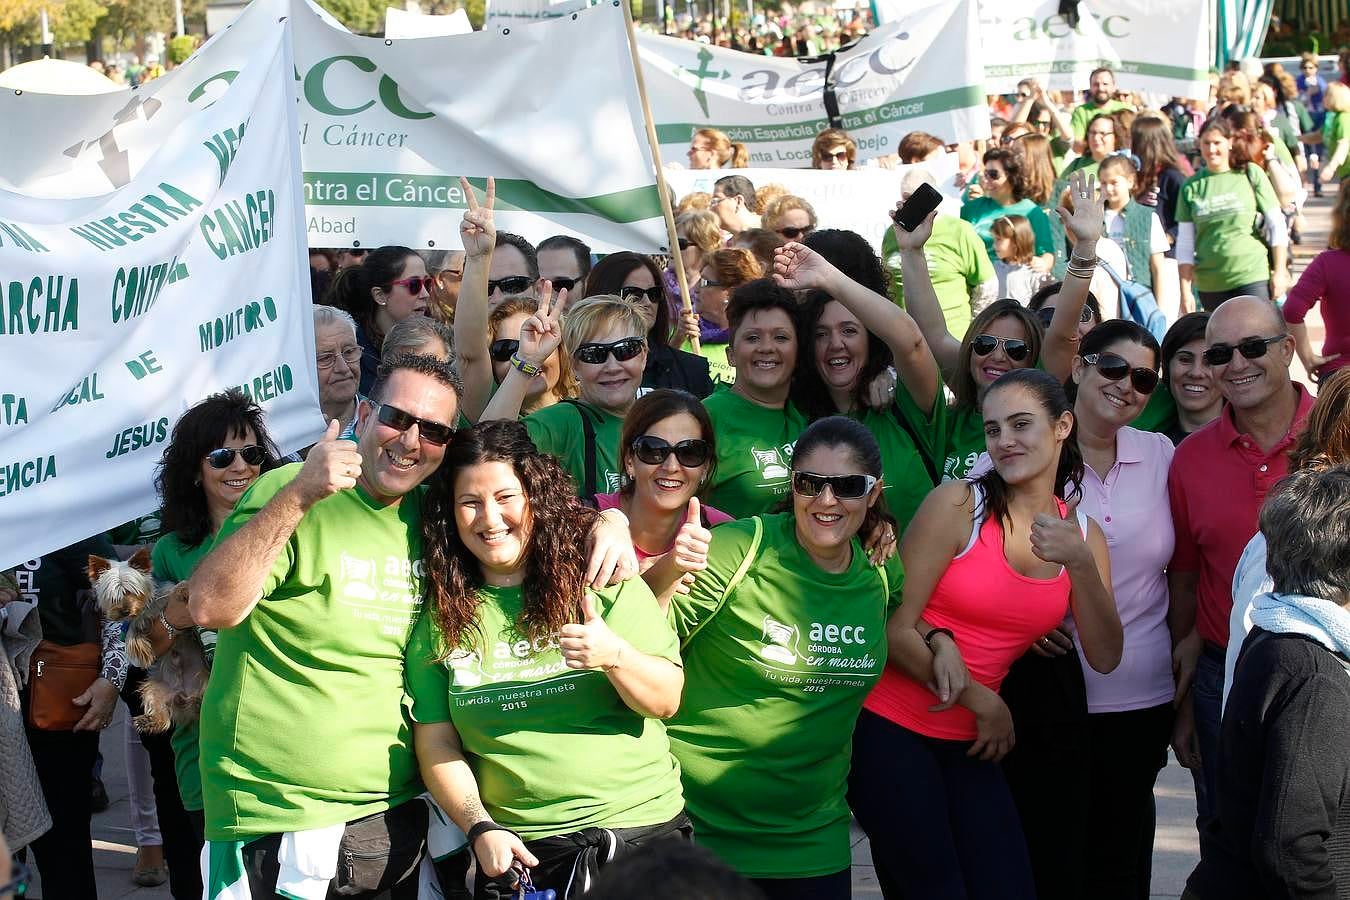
(514, 284)
(636, 294)
(432, 432)
(623, 350)
(793, 234)
(1047, 314)
(1016, 348)
(1114, 368)
(684, 243)
(993, 174)
(502, 349)
(18, 882)
(844, 487)
(562, 284)
(222, 458)
(653, 451)
(1251, 348)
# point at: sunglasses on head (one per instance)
(654, 451)
(844, 487)
(993, 174)
(1015, 348)
(502, 349)
(1114, 368)
(222, 459)
(432, 432)
(795, 234)
(1047, 313)
(636, 294)
(622, 351)
(1251, 348)
(562, 284)
(514, 284)
(414, 284)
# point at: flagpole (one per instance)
(667, 207)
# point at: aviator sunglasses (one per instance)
(432, 432)
(1015, 348)
(654, 451)
(1114, 368)
(844, 487)
(622, 351)
(1251, 348)
(221, 459)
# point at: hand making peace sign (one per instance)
(476, 230)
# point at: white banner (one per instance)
(399, 23)
(120, 308)
(921, 72)
(506, 14)
(860, 200)
(388, 125)
(1157, 46)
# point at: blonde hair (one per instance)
(701, 228)
(1018, 230)
(768, 194)
(592, 315)
(730, 154)
(698, 200)
(567, 384)
(785, 204)
(1337, 97)
(1235, 88)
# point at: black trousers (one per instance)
(838, 886)
(64, 855)
(182, 838)
(1128, 750)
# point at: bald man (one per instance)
(1219, 478)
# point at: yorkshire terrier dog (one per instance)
(172, 694)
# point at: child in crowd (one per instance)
(1015, 244)
(1135, 228)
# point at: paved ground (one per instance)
(1175, 849)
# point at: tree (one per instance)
(361, 16)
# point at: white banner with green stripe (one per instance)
(920, 72)
(388, 125)
(1156, 46)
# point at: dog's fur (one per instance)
(172, 694)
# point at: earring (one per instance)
(196, 482)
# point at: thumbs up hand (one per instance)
(590, 645)
(690, 553)
(333, 465)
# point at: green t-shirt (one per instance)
(554, 750)
(1335, 129)
(1223, 206)
(304, 721)
(1083, 116)
(559, 430)
(774, 680)
(754, 453)
(957, 264)
(1160, 413)
(982, 212)
(172, 560)
(906, 481)
(965, 442)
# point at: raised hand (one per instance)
(1088, 219)
(690, 553)
(1059, 540)
(333, 465)
(541, 333)
(914, 240)
(799, 268)
(477, 230)
(590, 645)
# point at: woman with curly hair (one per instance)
(537, 702)
(218, 448)
(1006, 194)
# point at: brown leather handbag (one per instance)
(57, 674)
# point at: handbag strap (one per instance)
(588, 488)
(751, 552)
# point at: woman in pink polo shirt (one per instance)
(993, 563)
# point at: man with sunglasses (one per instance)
(1218, 481)
(513, 268)
(565, 261)
(962, 274)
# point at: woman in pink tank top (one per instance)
(991, 565)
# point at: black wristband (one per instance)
(928, 638)
(483, 828)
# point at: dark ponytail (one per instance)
(1069, 473)
(351, 287)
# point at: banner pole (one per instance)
(667, 205)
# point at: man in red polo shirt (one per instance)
(1219, 478)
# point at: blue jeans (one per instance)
(1207, 697)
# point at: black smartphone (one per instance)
(914, 210)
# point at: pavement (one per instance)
(1175, 850)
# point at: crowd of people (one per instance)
(594, 589)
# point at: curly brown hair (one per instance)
(554, 569)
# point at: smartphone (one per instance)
(913, 211)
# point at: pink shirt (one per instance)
(1327, 279)
(711, 517)
(1130, 505)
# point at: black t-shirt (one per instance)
(1283, 824)
(59, 582)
